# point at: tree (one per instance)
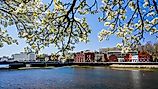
(150, 48)
(41, 25)
(20, 13)
(62, 23)
(61, 27)
(129, 20)
(155, 49)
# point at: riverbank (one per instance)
(83, 65)
(125, 68)
(134, 66)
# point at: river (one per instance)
(78, 78)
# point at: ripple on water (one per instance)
(77, 78)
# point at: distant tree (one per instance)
(155, 49)
(149, 47)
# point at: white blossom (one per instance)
(151, 14)
(155, 21)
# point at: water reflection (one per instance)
(77, 78)
(136, 79)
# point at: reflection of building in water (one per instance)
(136, 79)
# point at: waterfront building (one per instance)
(100, 57)
(4, 58)
(84, 56)
(115, 55)
(144, 57)
(23, 56)
(32, 56)
(79, 57)
(135, 58)
(89, 56)
(69, 57)
(118, 56)
(20, 57)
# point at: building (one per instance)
(135, 58)
(69, 57)
(100, 57)
(118, 56)
(113, 58)
(4, 58)
(79, 57)
(144, 57)
(89, 56)
(31, 56)
(23, 56)
(84, 56)
(112, 55)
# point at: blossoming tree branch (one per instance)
(129, 20)
(57, 22)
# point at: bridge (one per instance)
(16, 65)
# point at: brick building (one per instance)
(144, 56)
(89, 56)
(79, 57)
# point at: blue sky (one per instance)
(94, 44)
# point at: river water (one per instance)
(78, 78)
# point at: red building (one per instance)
(105, 58)
(113, 58)
(128, 58)
(79, 57)
(144, 57)
(84, 57)
(89, 57)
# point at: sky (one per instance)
(94, 43)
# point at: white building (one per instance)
(32, 56)
(4, 58)
(135, 58)
(23, 56)
(99, 57)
